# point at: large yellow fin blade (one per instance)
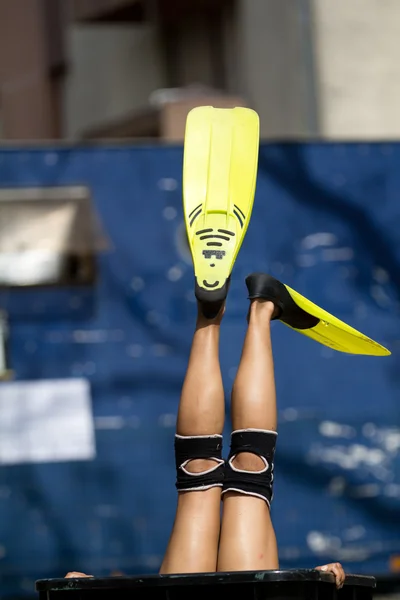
(219, 180)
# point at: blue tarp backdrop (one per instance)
(326, 221)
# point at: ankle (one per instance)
(262, 309)
(203, 321)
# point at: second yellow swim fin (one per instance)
(309, 319)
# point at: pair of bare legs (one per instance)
(244, 538)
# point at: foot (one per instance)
(263, 286)
(259, 307)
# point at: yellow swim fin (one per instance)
(309, 319)
(219, 180)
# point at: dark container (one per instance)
(246, 585)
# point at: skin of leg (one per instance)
(248, 539)
(193, 545)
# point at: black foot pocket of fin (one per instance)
(261, 285)
(210, 300)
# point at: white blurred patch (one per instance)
(354, 533)
(51, 159)
(337, 254)
(322, 543)
(318, 239)
(306, 260)
(161, 350)
(174, 273)
(348, 457)
(355, 553)
(167, 420)
(392, 490)
(334, 430)
(387, 438)
(46, 421)
(111, 422)
(152, 561)
(89, 336)
(369, 490)
(170, 213)
(290, 553)
(325, 544)
(390, 440)
(290, 414)
(167, 184)
(380, 275)
(30, 267)
(137, 284)
(337, 486)
(369, 430)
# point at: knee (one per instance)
(247, 461)
(250, 466)
(201, 465)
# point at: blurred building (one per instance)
(32, 67)
(89, 68)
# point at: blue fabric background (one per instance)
(326, 221)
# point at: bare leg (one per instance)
(193, 545)
(247, 536)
